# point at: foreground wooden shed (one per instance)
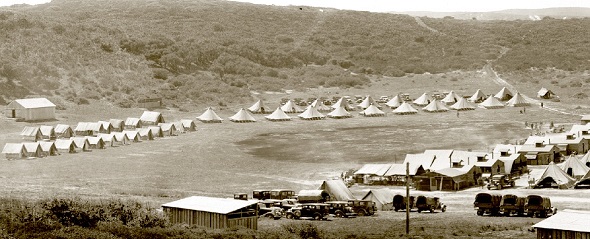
(565, 224)
(215, 213)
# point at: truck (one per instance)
(500, 181)
(512, 205)
(429, 204)
(399, 202)
(535, 205)
(486, 203)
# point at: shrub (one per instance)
(304, 230)
(575, 83)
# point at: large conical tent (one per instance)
(451, 98)
(242, 117)
(423, 100)
(586, 159)
(492, 103)
(319, 105)
(258, 108)
(278, 115)
(311, 114)
(372, 111)
(477, 97)
(405, 109)
(435, 106)
(463, 104)
(574, 167)
(339, 113)
(584, 181)
(518, 101)
(504, 94)
(291, 107)
(368, 101)
(342, 102)
(209, 116)
(395, 102)
(554, 176)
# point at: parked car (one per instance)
(341, 209)
(261, 194)
(487, 203)
(363, 207)
(317, 211)
(399, 202)
(535, 205)
(512, 205)
(500, 181)
(241, 196)
(429, 204)
(281, 194)
(273, 212)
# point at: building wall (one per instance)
(560, 234)
(207, 219)
(36, 113)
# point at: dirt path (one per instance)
(422, 24)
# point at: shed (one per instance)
(14, 151)
(383, 198)
(34, 109)
(565, 224)
(47, 132)
(215, 213)
(31, 133)
(63, 131)
(151, 118)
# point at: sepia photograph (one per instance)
(297, 119)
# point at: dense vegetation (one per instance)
(217, 52)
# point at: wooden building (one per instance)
(565, 224)
(150, 103)
(33, 109)
(448, 179)
(215, 213)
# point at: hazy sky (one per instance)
(12, 2)
(429, 5)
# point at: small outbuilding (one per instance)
(545, 93)
(565, 224)
(34, 109)
(214, 213)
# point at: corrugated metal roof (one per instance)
(374, 169)
(568, 220)
(34, 103)
(210, 204)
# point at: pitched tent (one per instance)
(179, 127)
(145, 134)
(63, 131)
(95, 142)
(31, 133)
(337, 189)
(278, 115)
(89, 128)
(372, 111)
(291, 107)
(339, 113)
(320, 106)
(48, 148)
(209, 116)
(169, 129)
(188, 125)
(65, 145)
(242, 116)
(383, 198)
(107, 127)
(567, 224)
(491, 103)
(257, 108)
(518, 101)
(574, 168)
(311, 114)
(82, 143)
(33, 109)
(33, 149)
(121, 138)
(368, 101)
(451, 98)
(48, 132)
(435, 106)
(504, 94)
(151, 118)
(395, 102)
(156, 131)
(554, 177)
(584, 182)
(477, 97)
(423, 100)
(109, 140)
(586, 159)
(117, 125)
(405, 109)
(14, 151)
(132, 123)
(342, 102)
(133, 135)
(462, 104)
(544, 93)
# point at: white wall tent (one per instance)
(31, 133)
(151, 118)
(33, 109)
(48, 132)
(63, 131)
(82, 143)
(95, 142)
(383, 198)
(132, 135)
(14, 151)
(145, 134)
(48, 148)
(132, 123)
(65, 145)
(117, 124)
(188, 125)
(168, 129)
(33, 149)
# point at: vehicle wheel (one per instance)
(361, 213)
(297, 213)
(431, 210)
(479, 212)
(419, 210)
(339, 214)
(317, 216)
(289, 216)
(444, 209)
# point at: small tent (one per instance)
(66, 145)
(574, 167)
(179, 127)
(156, 131)
(395, 102)
(47, 131)
(48, 148)
(145, 134)
(368, 101)
(586, 159)
(435, 106)
(477, 97)
(518, 101)
(14, 151)
(133, 123)
(151, 118)
(132, 135)
(82, 143)
(95, 142)
(257, 108)
(209, 116)
(117, 125)
(337, 189)
(121, 138)
(31, 133)
(63, 131)
(372, 111)
(109, 140)
(504, 94)
(584, 182)
(339, 113)
(319, 105)
(33, 149)
(188, 125)
(544, 93)
(311, 114)
(342, 102)
(462, 104)
(383, 198)
(169, 129)
(107, 127)
(89, 128)
(32, 109)
(405, 109)
(451, 98)
(278, 115)
(242, 116)
(291, 107)
(491, 103)
(423, 100)
(554, 177)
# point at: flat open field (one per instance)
(222, 159)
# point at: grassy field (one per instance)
(222, 159)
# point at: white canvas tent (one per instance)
(47, 131)
(554, 177)
(342, 102)
(291, 107)
(311, 114)
(383, 198)
(242, 116)
(477, 97)
(451, 98)
(574, 168)
(257, 108)
(14, 151)
(132, 123)
(462, 104)
(209, 116)
(151, 118)
(63, 131)
(319, 105)
(423, 100)
(339, 113)
(518, 101)
(31, 133)
(504, 94)
(368, 101)
(435, 106)
(544, 93)
(278, 115)
(395, 102)
(492, 103)
(372, 111)
(33, 149)
(337, 189)
(405, 109)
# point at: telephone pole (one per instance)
(407, 198)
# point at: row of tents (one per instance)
(573, 173)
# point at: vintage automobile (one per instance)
(272, 212)
(500, 181)
(363, 207)
(281, 194)
(399, 202)
(241, 196)
(487, 203)
(341, 209)
(535, 205)
(429, 204)
(512, 205)
(261, 194)
(317, 211)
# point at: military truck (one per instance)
(399, 202)
(535, 205)
(486, 203)
(512, 205)
(500, 181)
(429, 204)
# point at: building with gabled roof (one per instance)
(33, 109)
(565, 224)
(539, 153)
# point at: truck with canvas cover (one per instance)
(512, 205)
(313, 196)
(399, 202)
(500, 181)
(429, 204)
(535, 205)
(341, 209)
(487, 203)
(363, 207)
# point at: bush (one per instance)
(304, 230)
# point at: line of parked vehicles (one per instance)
(510, 204)
(420, 203)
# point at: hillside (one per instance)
(217, 52)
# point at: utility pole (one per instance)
(407, 198)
